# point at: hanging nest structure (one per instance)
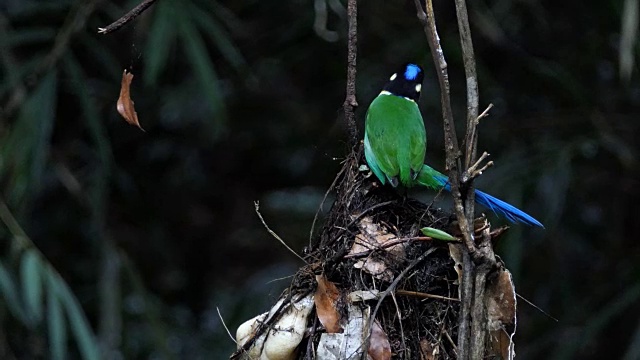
(374, 287)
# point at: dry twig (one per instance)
(126, 18)
(350, 102)
(257, 206)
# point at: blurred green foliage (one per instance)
(125, 243)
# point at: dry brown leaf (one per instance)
(379, 346)
(455, 251)
(125, 104)
(501, 314)
(427, 351)
(372, 236)
(326, 300)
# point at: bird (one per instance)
(395, 142)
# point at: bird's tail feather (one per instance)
(505, 209)
(434, 179)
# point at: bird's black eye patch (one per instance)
(406, 82)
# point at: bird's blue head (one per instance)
(411, 71)
(406, 82)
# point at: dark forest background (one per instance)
(241, 102)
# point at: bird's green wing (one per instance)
(396, 138)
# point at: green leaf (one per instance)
(31, 35)
(30, 273)
(28, 142)
(108, 62)
(199, 58)
(77, 319)
(160, 41)
(9, 293)
(437, 234)
(56, 322)
(97, 131)
(220, 37)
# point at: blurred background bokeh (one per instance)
(241, 102)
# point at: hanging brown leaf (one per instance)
(125, 104)
(326, 299)
(379, 346)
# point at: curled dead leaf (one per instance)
(428, 351)
(374, 236)
(455, 251)
(125, 104)
(500, 300)
(326, 300)
(379, 346)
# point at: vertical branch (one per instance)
(471, 139)
(477, 261)
(450, 139)
(452, 153)
(468, 57)
(350, 102)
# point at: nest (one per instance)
(371, 243)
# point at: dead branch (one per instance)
(350, 103)
(126, 18)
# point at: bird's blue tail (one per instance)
(496, 205)
(505, 209)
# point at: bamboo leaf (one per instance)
(30, 272)
(199, 58)
(628, 38)
(220, 37)
(108, 62)
(31, 35)
(9, 293)
(80, 327)
(56, 322)
(437, 234)
(96, 127)
(161, 39)
(29, 140)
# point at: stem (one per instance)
(131, 15)
(350, 102)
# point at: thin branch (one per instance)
(126, 18)
(392, 288)
(425, 295)
(387, 245)
(326, 194)
(469, 60)
(473, 172)
(225, 325)
(536, 307)
(257, 206)
(450, 139)
(471, 136)
(350, 102)
(484, 114)
(476, 264)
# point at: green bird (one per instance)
(394, 139)
(395, 142)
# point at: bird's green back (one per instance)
(395, 131)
